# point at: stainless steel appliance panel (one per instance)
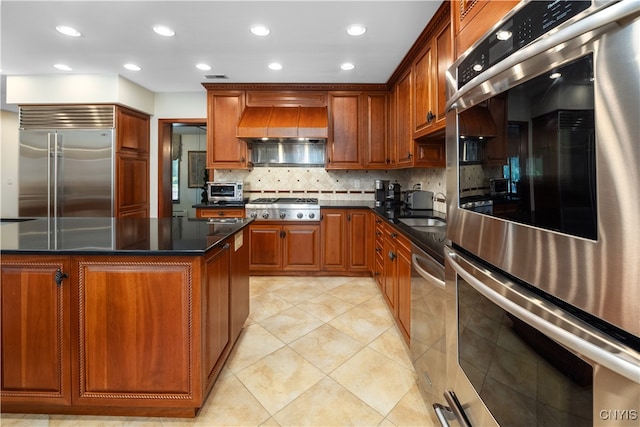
(598, 275)
(66, 173)
(515, 359)
(430, 303)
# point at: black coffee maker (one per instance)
(394, 198)
(381, 188)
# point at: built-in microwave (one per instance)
(225, 191)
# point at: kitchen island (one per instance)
(119, 316)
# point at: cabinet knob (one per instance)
(393, 235)
(60, 276)
(392, 256)
(430, 117)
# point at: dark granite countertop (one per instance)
(431, 242)
(115, 236)
(346, 204)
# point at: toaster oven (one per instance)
(224, 191)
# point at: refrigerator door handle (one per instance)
(51, 158)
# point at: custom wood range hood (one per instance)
(281, 124)
(477, 122)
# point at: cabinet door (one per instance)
(378, 249)
(239, 286)
(131, 164)
(345, 133)
(215, 298)
(376, 133)
(301, 248)
(358, 238)
(334, 239)
(403, 286)
(265, 243)
(219, 212)
(443, 59)
(404, 131)
(390, 254)
(423, 84)
(132, 199)
(224, 150)
(35, 323)
(431, 154)
(132, 130)
(136, 332)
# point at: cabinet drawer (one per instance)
(219, 213)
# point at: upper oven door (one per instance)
(567, 144)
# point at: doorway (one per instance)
(190, 136)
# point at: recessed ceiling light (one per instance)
(555, 75)
(356, 30)
(260, 30)
(132, 67)
(203, 67)
(68, 31)
(347, 66)
(163, 30)
(275, 66)
(62, 67)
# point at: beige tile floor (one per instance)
(314, 352)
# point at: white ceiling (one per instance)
(307, 37)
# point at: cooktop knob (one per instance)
(254, 215)
(283, 215)
(265, 215)
(299, 215)
(312, 215)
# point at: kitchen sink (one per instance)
(423, 222)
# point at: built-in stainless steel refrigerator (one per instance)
(66, 162)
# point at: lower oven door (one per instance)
(518, 359)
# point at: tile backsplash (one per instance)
(332, 185)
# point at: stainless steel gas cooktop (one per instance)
(283, 209)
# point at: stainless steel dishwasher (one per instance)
(429, 305)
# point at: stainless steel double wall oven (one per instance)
(547, 281)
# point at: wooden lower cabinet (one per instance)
(220, 212)
(393, 272)
(277, 247)
(120, 335)
(346, 240)
(135, 331)
(36, 351)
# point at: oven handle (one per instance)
(430, 262)
(557, 324)
(609, 15)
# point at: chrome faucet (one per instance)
(435, 197)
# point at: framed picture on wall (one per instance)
(197, 165)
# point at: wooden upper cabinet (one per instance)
(376, 134)
(224, 149)
(429, 82)
(430, 154)
(471, 19)
(345, 131)
(132, 164)
(403, 141)
(132, 130)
